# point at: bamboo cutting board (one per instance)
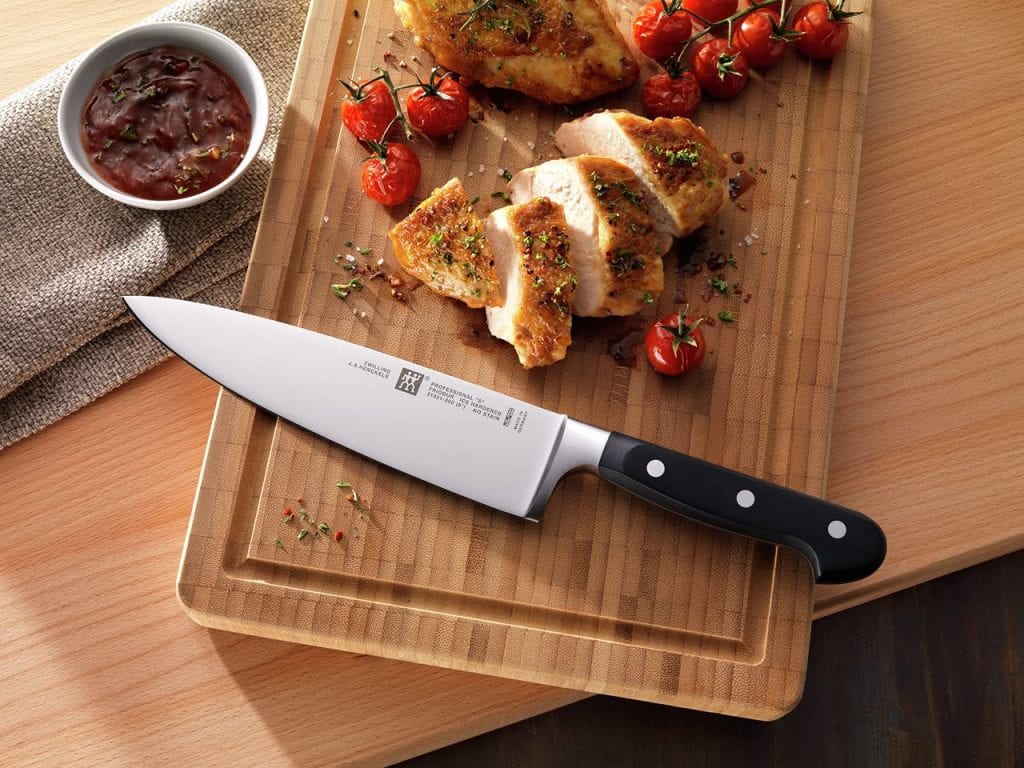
(606, 594)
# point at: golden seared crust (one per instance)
(625, 234)
(544, 318)
(690, 172)
(442, 243)
(558, 51)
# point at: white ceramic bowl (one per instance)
(221, 49)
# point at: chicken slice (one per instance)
(682, 171)
(558, 51)
(616, 253)
(442, 243)
(531, 248)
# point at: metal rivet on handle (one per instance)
(837, 529)
(655, 468)
(745, 498)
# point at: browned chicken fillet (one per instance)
(616, 253)
(682, 171)
(532, 253)
(442, 243)
(558, 51)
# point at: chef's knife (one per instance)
(505, 453)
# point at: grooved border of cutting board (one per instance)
(232, 578)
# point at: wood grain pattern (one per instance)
(607, 594)
(202, 693)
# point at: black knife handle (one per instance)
(841, 544)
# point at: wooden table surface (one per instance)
(99, 665)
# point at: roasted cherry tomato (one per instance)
(675, 344)
(368, 110)
(777, 7)
(439, 107)
(711, 10)
(823, 29)
(391, 174)
(759, 36)
(721, 70)
(661, 28)
(667, 96)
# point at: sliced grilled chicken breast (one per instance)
(616, 252)
(531, 247)
(442, 243)
(682, 171)
(558, 51)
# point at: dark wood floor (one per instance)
(931, 676)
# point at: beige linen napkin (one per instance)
(68, 253)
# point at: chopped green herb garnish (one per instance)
(302, 534)
(348, 243)
(128, 132)
(648, 297)
(342, 290)
(503, 195)
(506, 175)
(119, 95)
(365, 251)
(726, 316)
(279, 543)
(731, 261)
(719, 284)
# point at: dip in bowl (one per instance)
(164, 115)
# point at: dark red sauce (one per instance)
(166, 123)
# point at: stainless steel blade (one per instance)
(494, 449)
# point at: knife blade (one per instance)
(502, 452)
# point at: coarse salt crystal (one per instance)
(380, 261)
(482, 168)
(502, 171)
(531, 145)
(401, 63)
(470, 174)
(349, 257)
(349, 41)
(391, 35)
(748, 241)
(807, 200)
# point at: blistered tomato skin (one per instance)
(823, 33)
(659, 34)
(368, 114)
(165, 123)
(391, 179)
(753, 35)
(711, 60)
(667, 96)
(438, 111)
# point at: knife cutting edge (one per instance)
(499, 451)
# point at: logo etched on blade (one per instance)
(409, 381)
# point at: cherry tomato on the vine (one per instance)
(667, 96)
(711, 10)
(758, 35)
(675, 344)
(391, 174)
(368, 110)
(439, 107)
(661, 28)
(777, 7)
(823, 29)
(721, 70)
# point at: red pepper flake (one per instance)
(338, 535)
(287, 512)
(301, 500)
